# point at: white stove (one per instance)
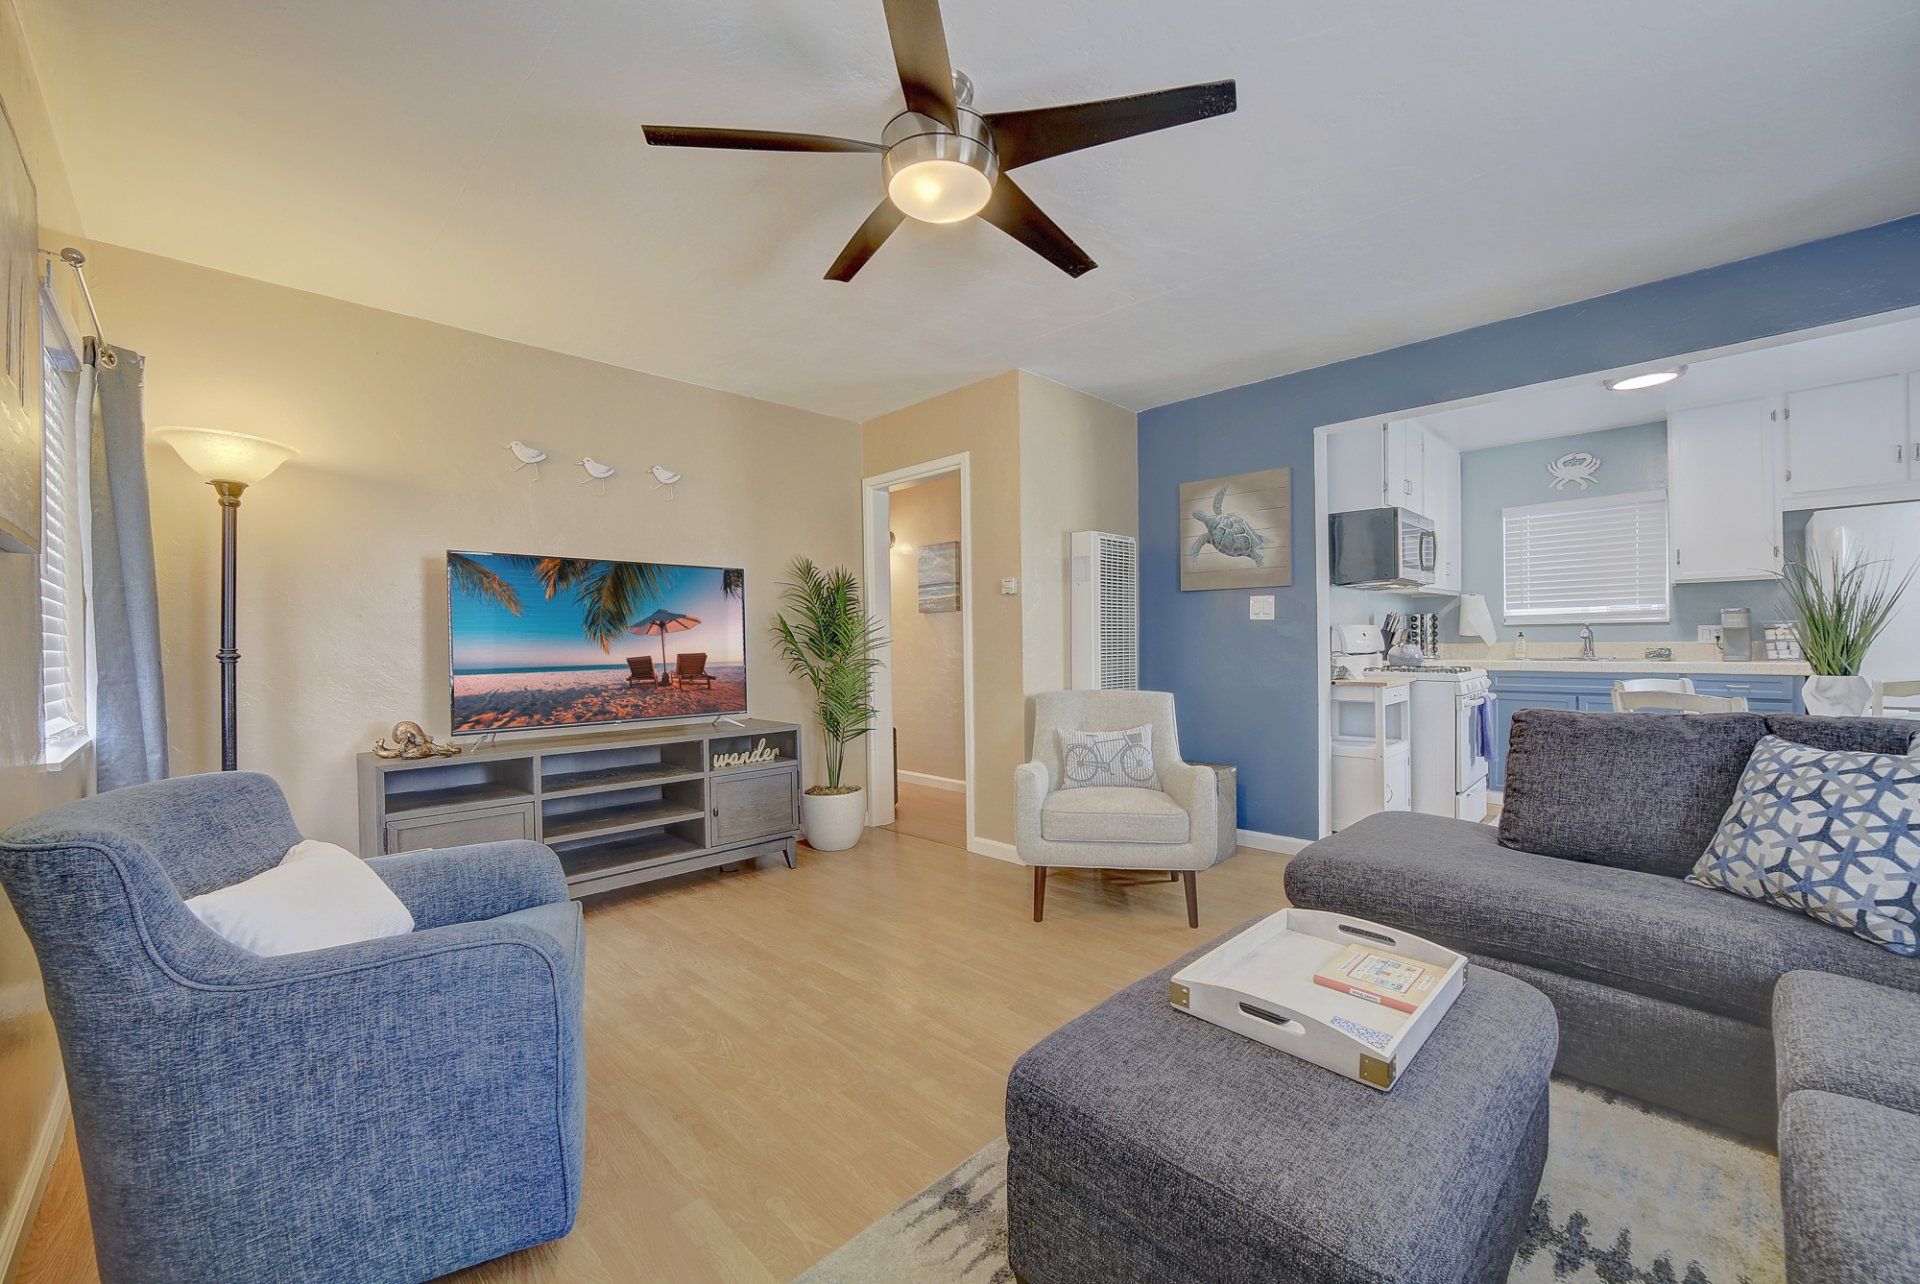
(1451, 728)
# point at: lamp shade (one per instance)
(226, 456)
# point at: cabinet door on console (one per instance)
(753, 805)
(457, 829)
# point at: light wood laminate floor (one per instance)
(926, 812)
(778, 1057)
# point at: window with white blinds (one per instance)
(1587, 560)
(62, 584)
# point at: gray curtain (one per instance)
(130, 734)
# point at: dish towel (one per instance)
(1483, 728)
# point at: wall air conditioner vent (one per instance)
(1106, 612)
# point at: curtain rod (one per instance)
(97, 341)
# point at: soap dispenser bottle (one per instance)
(1520, 645)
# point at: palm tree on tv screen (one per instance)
(611, 594)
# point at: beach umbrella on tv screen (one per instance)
(663, 622)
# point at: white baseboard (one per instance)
(1262, 842)
(947, 783)
(1496, 798)
(991, 847)
(18, 1222)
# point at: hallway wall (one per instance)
(928, 694)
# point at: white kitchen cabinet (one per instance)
(1356, 469)
(1383, 466)
(1722, 511)
(1847, 437)
(1406, 475)
(1441, 494)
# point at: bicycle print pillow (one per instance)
(1108, 759)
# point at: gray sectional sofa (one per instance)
(1666, 991)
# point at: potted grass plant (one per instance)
(825, 636)
(1841, 603)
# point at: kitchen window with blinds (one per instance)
(63, 698)
(1583, 560)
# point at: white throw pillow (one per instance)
(320, 895)
(1108, 759)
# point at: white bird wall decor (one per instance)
(596, 471)
(526, 455)
(664, 476)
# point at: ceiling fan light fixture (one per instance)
(936, 175)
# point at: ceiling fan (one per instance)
(944, 162)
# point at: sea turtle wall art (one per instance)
(1236, 532)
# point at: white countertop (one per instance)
(1794, 668)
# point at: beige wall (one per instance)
(927, 647)
(983, 420)
(1080, 460)
(402, 428)
(29, 1060)
(1046, 461)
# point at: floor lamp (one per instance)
(231, 462)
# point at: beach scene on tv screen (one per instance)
(569, 642)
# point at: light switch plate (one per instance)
(1260, 606)
(1707, 633)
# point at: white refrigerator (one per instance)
(1890, 532)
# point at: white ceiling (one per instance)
(1396, 171)
(1572, 406)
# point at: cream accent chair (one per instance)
(1187, 828)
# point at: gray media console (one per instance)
(619, 809)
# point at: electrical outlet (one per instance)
(1260, 606)
(1708, 633)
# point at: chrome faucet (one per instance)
(1586, 643)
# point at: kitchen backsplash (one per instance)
(1683, 652)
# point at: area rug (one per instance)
(1630, 1196)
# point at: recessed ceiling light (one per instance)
(1651, 379)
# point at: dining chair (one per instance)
(1676, 702)
(1898, 690)
(1682, 686)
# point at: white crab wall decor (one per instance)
(1578, 467)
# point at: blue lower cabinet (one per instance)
(1593, 693)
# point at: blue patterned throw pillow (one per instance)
(1828, 833)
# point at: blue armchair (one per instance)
(391, 1110)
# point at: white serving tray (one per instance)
(1260, 984)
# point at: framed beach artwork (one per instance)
(20, 409)
(1237, 532)
(939, 577)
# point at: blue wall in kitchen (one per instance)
(1631, 459)
(1248, 690)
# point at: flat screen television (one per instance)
(545, 642)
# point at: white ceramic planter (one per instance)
(834, 822)
(1835, 697)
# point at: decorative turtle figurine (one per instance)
(1231, 533)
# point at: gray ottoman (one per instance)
(1147, 1146)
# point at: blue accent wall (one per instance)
(1248, 690)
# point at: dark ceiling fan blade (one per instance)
(1013, 212)
(1023, 137)
(920, 52)
(872, 235)
(752, 140)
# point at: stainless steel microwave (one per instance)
(1381, 548)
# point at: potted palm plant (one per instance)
(1842, 603)
(826, 637)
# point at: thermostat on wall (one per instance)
(1009, 587)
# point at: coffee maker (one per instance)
(1736, 634)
